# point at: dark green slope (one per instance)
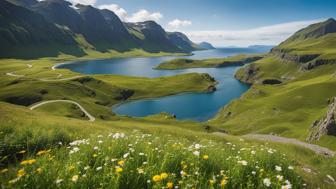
(25, 34)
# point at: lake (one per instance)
(191, 106)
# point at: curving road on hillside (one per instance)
(271, 138)
(91, 118)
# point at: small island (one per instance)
(183, 63)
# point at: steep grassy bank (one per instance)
(182, 63)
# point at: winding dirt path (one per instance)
(91, 118)
(271, 138)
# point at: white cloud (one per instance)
(122, 13)
(178, 23)
(139, 16)
(267, 35)
(84, 2)
(144, 15)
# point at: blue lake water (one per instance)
(192, 106)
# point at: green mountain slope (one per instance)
(287, 97)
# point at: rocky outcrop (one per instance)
(326, 125)
(318, 62)
(248, 74)
(286, 55)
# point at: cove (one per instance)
(190, 106)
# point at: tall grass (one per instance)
(138, 160)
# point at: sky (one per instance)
(225, 22)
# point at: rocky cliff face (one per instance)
(326, 125)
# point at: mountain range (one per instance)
(31, 29)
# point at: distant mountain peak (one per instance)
(206, 45)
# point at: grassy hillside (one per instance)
(183, 63)
(286, 98)
(112, 154)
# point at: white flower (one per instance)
(148, 181)
(243, 162)
(74, 178)
(196, 153)
(58, 181)
(141, 154)
(270, 151)
(279, 177)
(74, 150)
(267, 182)
(287, 186)
(254, 173)
(290, 167)
(331, 178)
(253, 152)
(86, 168)
(278, 168)
(98, 168)
(197, 146)
(100, 141)
(95, 148)
(126, 155)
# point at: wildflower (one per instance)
(243, 162)
(4, 170)
(170, 185)
(279, 177)
(163, 176)
(14, 180)
(98, 168)
(22, 152)
(119, 169)
(287, 186)
(197, 146)
(156, 178)
(223, 183)
(253, 152)
(254, 173)
(183, 173)
(58, 181)
(71, 167)
(290, 167)
(42, 152)
(39, 170)
(86, 168)
(267, 182)
(278, 168)
(28, 162)
(140, 171)
(121, 162)
(74, 178)
(74, 150)
(205, 157)
(211, 182)
(196, 153)
(21, 173)
(126, 155)
(94, 155)
(95, 148)
(331, 178)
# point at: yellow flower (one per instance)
(170, 185)
(94, 155)
(74, 178)
(4, 170)
(21, 173)
(119, 169)
(22, 152)
(211, 182)
(157, 178)
(121, 162)
(71, 167)
(28, 162)
(163, 176)
(41, 152)
(39, 170)
(223, 182)
(205, 157)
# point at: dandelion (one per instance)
(267, 182)
(278, 168)
(121, 162)
(74, 178)
(170, 185)
(119, 169)
(211, 182)
(156, 178)
(39, 170)
(21, 173)
(28, 162)
(205, 157)
(223, 183)
(163, 176)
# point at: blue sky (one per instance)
(222, 21)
